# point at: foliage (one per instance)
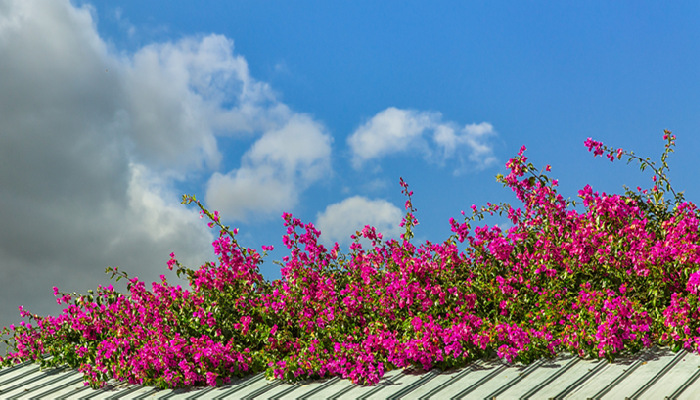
(615, 278)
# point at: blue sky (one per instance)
(112, 110)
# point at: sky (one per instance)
(110, 111)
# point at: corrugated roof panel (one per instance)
(651, 374)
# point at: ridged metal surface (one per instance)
(652, 374)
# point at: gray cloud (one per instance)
(93, 145)
(76, 195)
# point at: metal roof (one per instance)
(651, 374)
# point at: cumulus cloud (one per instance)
(395, 131)
(279, 165)
(390, 131)
(338, 221)
(175, 93)
(93, 145)
(80, 192)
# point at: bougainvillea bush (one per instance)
(619, 275)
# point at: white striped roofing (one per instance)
(651, 374)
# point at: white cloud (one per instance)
(338, 221)
(300, 146)
(390, 131)
(472, 137)
(249, 190)
(279, 165)
(395, 131)
(175, 95)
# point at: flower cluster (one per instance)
(621, 275)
